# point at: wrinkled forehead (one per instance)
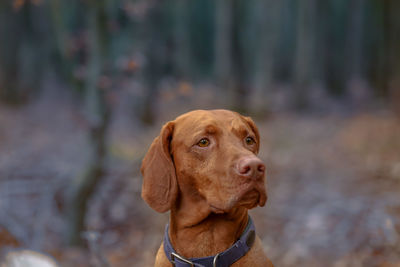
(210, 122)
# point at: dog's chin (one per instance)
(248, 199)
(252, 196)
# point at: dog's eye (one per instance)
(203, 142)
(250, 141)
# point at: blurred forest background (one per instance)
(85, 86)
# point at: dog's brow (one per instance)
(239, 129)
(210, 129)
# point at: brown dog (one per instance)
(204, 169)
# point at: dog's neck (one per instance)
(197, 232)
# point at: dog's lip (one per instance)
(250, 198)
(216, 210)
(250, 195)
(255, 189)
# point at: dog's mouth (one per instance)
(217, 210)
(248, 197)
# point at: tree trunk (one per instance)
(239, 71)
(356, 86)
(23, 53)
(61, 41)
(392, 39)
(98, 114)
(155, 60)
(354, 38)
(10, 33)
(267, 16)
(304, 59)
(182, 41)
(223, 43)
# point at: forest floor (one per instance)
(333, 186)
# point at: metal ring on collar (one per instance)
(174, 255)
(215, 260)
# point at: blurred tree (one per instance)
(355, 40)
(378, 52)
(333, 44)
(9, 50)
(242, 42)
(392, 55)
(356, 83)
(266, 16)
(69, 51)
(240, 72)
(155, 52)
(223, 43)
(182, 55)
(23, 50)
(98, 115)
(304, 64)
(201, 34)
(286, 42)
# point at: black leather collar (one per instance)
(223, 259)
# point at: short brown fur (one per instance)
(205, 188)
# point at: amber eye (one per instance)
(203, 142)
(250, 141)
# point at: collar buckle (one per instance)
(175, 255)
(215, 260)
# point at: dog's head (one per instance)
(209, 156)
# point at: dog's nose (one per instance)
(251, 167)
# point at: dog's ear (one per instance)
(254, 128)
(159, 188)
